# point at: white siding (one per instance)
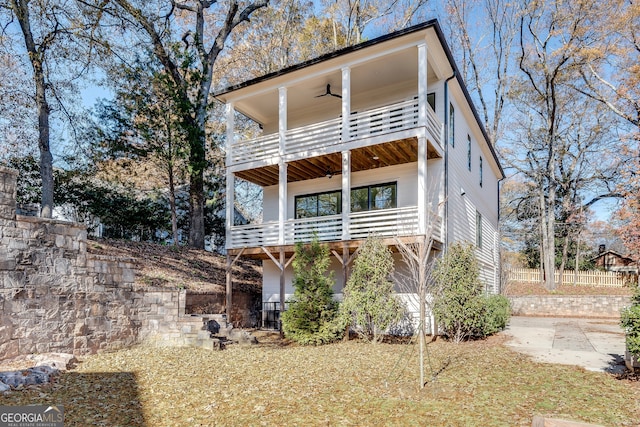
(466, 197)
(271, 280)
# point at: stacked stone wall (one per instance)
(55, 297)
(600, 306)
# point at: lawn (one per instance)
(476, 384)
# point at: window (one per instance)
(431, 100)
(452, 125)
(469, 152)
(373, 197)
(478, 230)
(480, 171)
(320, 204)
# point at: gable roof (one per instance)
(615, 254)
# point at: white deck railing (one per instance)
(255, 149)
(384, 222)
(313, 137)
(319, 138)
(401, 116)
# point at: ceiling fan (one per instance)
(328, 92)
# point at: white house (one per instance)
(381, 137)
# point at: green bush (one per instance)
(370, 303)
(498, 312)
(462, 309)
(311, 313)
(630, 321)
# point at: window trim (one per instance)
(300, 196)
(368, 187)
(431, 96)
(452, 125)
(339, 192)
(478, 230)
(469, 153)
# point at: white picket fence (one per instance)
(584, 278)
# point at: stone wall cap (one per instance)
(8, 170)
(38, 219)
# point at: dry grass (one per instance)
(180, 267)
(479, 383)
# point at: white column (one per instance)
(230, 190)
(346, 102)
(282, 166)
(230, 130)
(346, 193)
(422, 84)
(282, 118)
(422, 186)
(282, 198)
(230, 201)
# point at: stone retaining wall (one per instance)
(602, 306)
(245, 310)
(55, 297)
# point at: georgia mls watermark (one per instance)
(32, 416)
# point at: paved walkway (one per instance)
(594, 344)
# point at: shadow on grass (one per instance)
(101, 398)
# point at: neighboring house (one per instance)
(613, 261)
(381, 137)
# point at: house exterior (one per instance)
(382, 138)
(613, 261)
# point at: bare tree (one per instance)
(552, 38)
(416, 281)
(57, 43)
(484, 33)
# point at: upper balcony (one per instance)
(374, 126)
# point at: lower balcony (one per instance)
(394, 222)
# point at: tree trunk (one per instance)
(548, 233)
(36, 56)
(172, 204)
(197, 164)
(422, 260)
(565, 256)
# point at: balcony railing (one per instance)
(321, 138)
(384, 223)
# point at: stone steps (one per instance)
(194, 332)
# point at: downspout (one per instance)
(446, 161)
(499, 238)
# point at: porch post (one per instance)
(422, 185)
(230, 192)
(346, 193)
(282, 202)
(346, 103)
(282, 178)
(283, 268)
(422, 84)
(229, 278)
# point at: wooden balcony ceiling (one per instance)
(366, 158)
